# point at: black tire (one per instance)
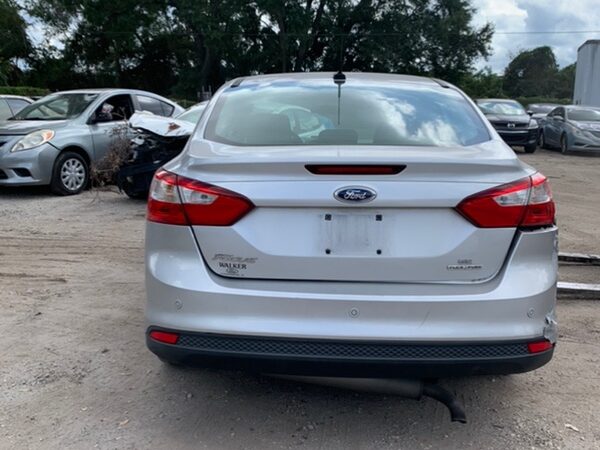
(564, 145)
(130, 191)
(531, 148)
(70, 175)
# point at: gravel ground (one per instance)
(74, 371)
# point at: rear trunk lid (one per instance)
(409, 232)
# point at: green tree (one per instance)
(183, 46)
(124, 43)
(483, 84)
(565, 82)
(531, 73)
(14, 42)
(424, 37)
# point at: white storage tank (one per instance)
(587, 74)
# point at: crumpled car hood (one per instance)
(163, 126)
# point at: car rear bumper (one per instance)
(517, 305)
(348, 358)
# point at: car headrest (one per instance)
(337, 136)
(268, 129)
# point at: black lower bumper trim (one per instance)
(347, 358)
(519, 139)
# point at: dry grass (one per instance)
(103, 172)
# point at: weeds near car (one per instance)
(103, 172)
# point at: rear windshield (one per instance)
(357, 113)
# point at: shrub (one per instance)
(529, 100)
(26, 91)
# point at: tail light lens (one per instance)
(538, 347)
(523, 203)
(177, 200)
(165, 337)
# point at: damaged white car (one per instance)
(157, 140)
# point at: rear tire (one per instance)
(70, 174)
(564, 145)
(531, 148)
(129, 190)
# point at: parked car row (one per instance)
(56, 139)
(546, 125)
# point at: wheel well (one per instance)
(81, 152)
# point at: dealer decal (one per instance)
(464, 264)
(233, 265)
(233, 258)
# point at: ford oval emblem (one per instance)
(355, 194)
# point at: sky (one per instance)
(548, 16)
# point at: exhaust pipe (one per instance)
(408, 388)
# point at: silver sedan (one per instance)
(402, 237)
(571, 128)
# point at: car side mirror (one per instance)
(530, 112)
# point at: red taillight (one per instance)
(165, 337)
(540, 208)
(353, 169)
(177, 200)
(538, 347)
(522, 203)
(164, 205)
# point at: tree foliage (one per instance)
(531, 72)
(483, 84)
(183, 46)
(14, 42)
(564, 83)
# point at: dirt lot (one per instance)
(74, 371)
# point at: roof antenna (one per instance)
(339, 79)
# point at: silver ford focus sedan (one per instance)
(358, 225)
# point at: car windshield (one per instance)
(584, 115)
(501, 108)
(192, 114)
(541, 109)
(56, 107)
(315, 112)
